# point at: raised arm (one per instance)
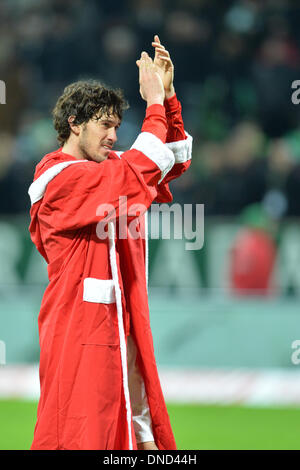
(178, 140)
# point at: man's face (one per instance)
(98, 136)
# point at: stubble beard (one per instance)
(84, 147)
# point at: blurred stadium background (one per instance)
(225, 318)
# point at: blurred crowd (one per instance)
(235, 62)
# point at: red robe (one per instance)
(97, 292)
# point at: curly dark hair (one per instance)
(83, 99)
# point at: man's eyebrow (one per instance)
(107, 119)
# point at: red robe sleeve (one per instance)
(179, 142)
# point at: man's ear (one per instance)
(75, 128)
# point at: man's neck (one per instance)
(72, 150)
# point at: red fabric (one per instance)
(81, 404)
(174, 119)
(155, 121)
(252, 262)
(175, 133)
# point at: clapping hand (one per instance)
(164, 66)
(151, 85)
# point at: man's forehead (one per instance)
(110, 117)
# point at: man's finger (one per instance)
(162, 51)
(144, 61)
(157, 44)
(146, 58)
(166, 59)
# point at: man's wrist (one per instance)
(150, 102)
(171, 104)
(170, 93)
(149, 445)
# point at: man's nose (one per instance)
(112, 134)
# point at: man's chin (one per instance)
(103, 155)
(99, 158)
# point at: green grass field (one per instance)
(195, 427)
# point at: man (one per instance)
(99, 383)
